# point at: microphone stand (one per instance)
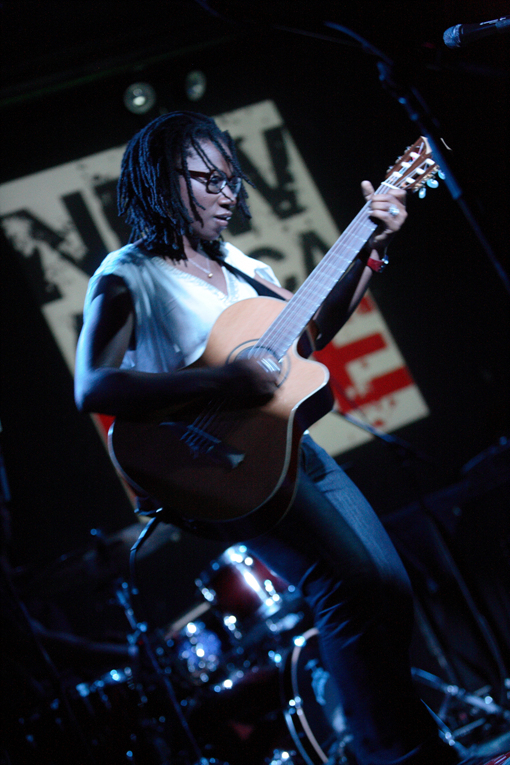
(403, 448)
(406, 95)
(419, 113)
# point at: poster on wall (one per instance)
(62, 222)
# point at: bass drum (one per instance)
(284, 710)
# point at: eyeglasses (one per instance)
(216, 180)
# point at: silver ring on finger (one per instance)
(393, 211)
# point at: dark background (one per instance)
(65, 69)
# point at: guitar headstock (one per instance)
(414, 168)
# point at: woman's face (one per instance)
(217, 207)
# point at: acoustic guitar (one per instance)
(230, 473)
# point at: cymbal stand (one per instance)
(140, 636)
(484, 703)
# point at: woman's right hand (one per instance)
(250, 382)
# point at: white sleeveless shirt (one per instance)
(175, 310)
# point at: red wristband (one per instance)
(377, 265)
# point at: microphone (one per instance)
(463, 34)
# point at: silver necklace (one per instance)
(205, 270)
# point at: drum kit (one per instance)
(248, 652)
(235, 680)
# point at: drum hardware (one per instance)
(123, 721)
(154, 655)
(176, 720)
(200, 649)
(286, 624)
(195, 613)
(50, 725)
(168, 692)
(291, 757)
(479, 706)
(82, 652)
(282, 757)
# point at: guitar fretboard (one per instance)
(291, 322)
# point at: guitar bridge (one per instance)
(203, 444)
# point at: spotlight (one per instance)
(139, 97)
(195, 85)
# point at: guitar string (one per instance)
(207, 419)
(207, 416)
(321, 280)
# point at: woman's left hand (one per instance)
(388, 211)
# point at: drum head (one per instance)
(312, 711)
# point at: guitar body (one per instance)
(224, 466)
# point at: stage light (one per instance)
(195, 85)
(139, 97)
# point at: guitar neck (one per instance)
(411, 171)
(309, 297)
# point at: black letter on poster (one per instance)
(35, 231)
(107, 195)
(282, 197)
(311, 244)
(82, 219)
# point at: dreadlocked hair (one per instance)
(149, 195)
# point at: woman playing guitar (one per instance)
(155, 314)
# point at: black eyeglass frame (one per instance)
(233, 183)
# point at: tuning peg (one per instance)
(432, 183)
(422, 192)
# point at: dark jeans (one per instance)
(332, 546)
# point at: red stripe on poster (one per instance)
(337, 358)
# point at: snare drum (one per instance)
(201, 648)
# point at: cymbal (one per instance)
(99, 564)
